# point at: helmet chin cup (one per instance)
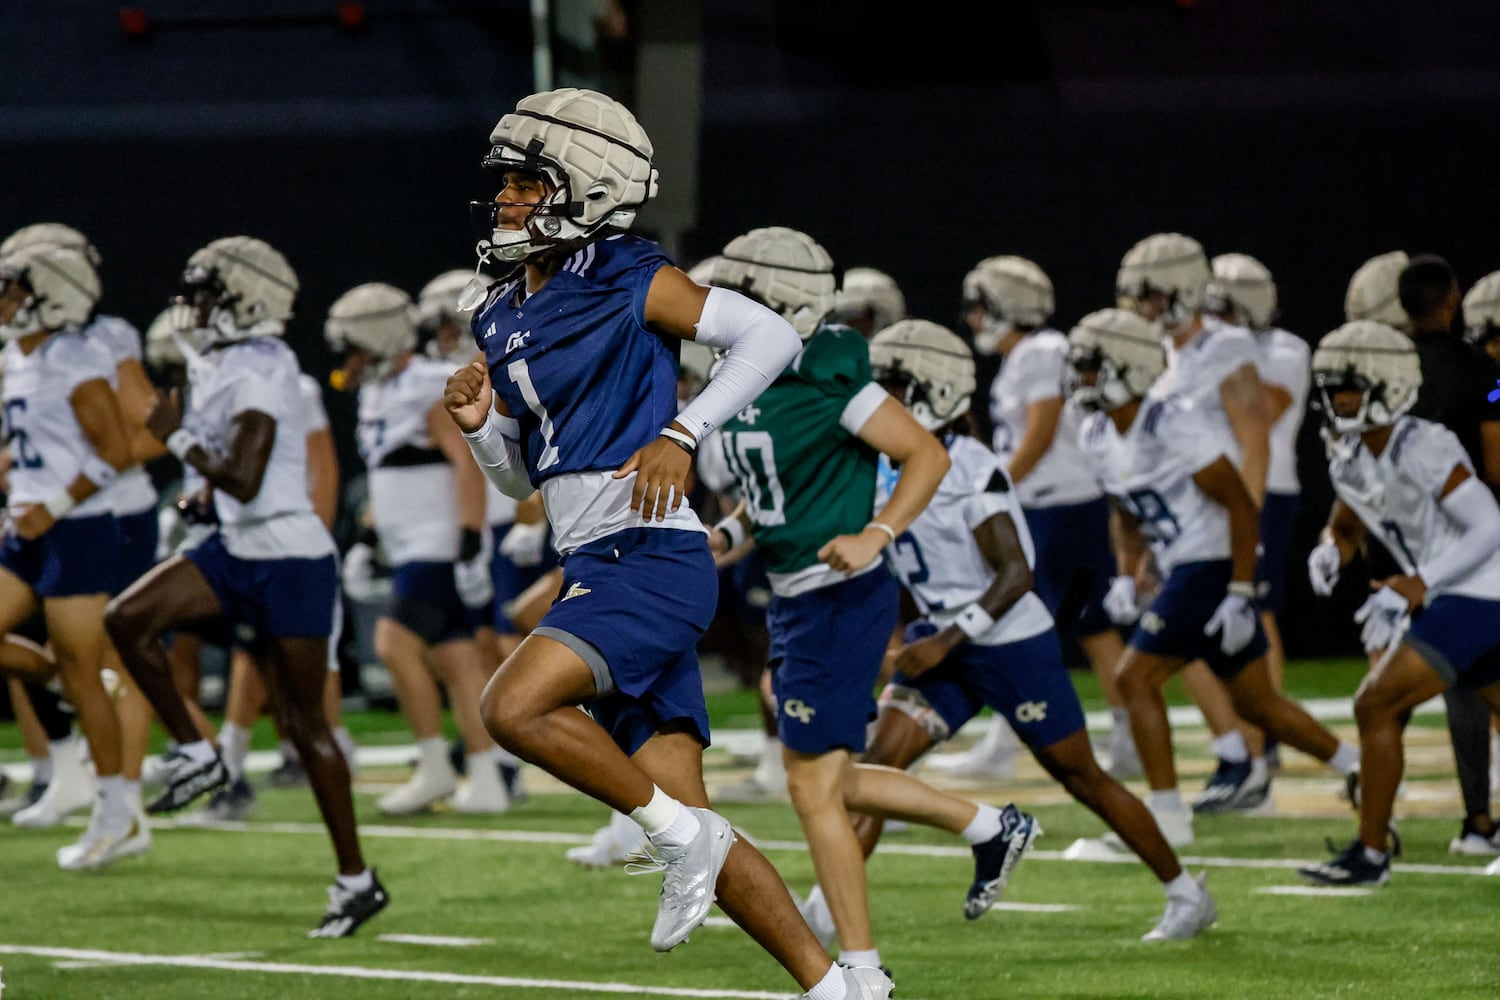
(991, 332)
(26, 321)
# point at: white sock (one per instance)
(288, 750)
(200, 751)
(133, 794)
(357, 883)
(1166, 800)
(1184, 886)
(345, 744)
(984, 826)
(871, 957)
(771, 770)
(1119, 718)
(830, 987)
(41, 770)
(1345, 758)
(234, 747)
(434, 755)
(112, 794)
(1231, 747)
(665, 820)
(484, 758)
(1374, 857)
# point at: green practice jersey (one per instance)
(804, 475)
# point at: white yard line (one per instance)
(1312, 890)
(910, 850)
(576, 987)
(434, 940)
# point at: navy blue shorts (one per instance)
(633, 606)
(1459, 637)
(1173, 625)
(77, 556)
(1277, 519)
(826, 649)
(1025, 681)
(424, 599)
(138, 539)
(510, 580)
(274, 598)
(1072, 541)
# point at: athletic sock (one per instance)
(199, 751)
(345, 744)
(234, 747)
(434, 755)
(1374, 857)
(1184, 886)
(984, 826)
(830, 987)
(666, 821)
(1166, 800)
(1345, 758)
(357, 883)
(1231, 747)
(41, 770)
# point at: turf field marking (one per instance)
(1036, 907)
(435, 940)
(118, 958)
(913, 850)
(1312, 890)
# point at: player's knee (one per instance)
(1133, 681)
(122, 622)
(501, 718)
(1371, 708)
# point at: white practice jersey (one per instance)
(47, 446)
(1396, 496)
(1033, 371)
(314, 415)
(938, 559)
(1196, 372)
(413, 500)
(1285, 361)
(133, 492)
(260, 374)
(1149, 470)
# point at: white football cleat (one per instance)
(483, 792)
(106, 840)
(428, 786)
(865, 982)
(71, 790)
(613, 844)
(1185, 918)
(1176, 826)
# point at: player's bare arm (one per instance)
(240, 468)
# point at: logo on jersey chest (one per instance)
(517, 340)
(749, 414)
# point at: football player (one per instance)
(1372, 291)
(1007, 303)
(577, 397)
(1164, 278)
(804, 459)
(1481, 310)
(1167, 468)
(868, 300)
(69, 443)
(427, 502)
(269, 570)
(1409, 483)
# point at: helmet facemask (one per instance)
(27, 319)
(1110, 388)
(1373, 409)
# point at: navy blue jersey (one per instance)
(575, 363)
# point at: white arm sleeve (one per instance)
(1472, 507)
(497, 449)
(758, 345)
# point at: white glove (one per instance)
(1234, 620)
(358, 572)
(1385, 616)
(1323, 568)
(472, 575)
(523, 543)
(1119, 602)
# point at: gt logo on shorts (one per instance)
(1031, 711)
(1152, 622)
(800, 710)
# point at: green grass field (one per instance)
(221, 913)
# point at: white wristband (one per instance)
(1242, 588)
(734, 528)
(686, 440)
(889, 531)
(180, 442)
(973, 621)
(59, 504)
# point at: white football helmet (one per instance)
(703, 271)
(591, 150)
(1372, 292)
(934, 364)
(1242, 287)
(1168, 263)
(866, 288)
(60, 284)
(173, 337)
(1482, 310)
(242, 287)
(439, 298)
(1014, 293)
(1378, 361)
(375, 318)
(1122, 349)
(49, 232)
(786, 270)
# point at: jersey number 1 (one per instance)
(521, 376)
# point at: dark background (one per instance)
(1310, 134)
